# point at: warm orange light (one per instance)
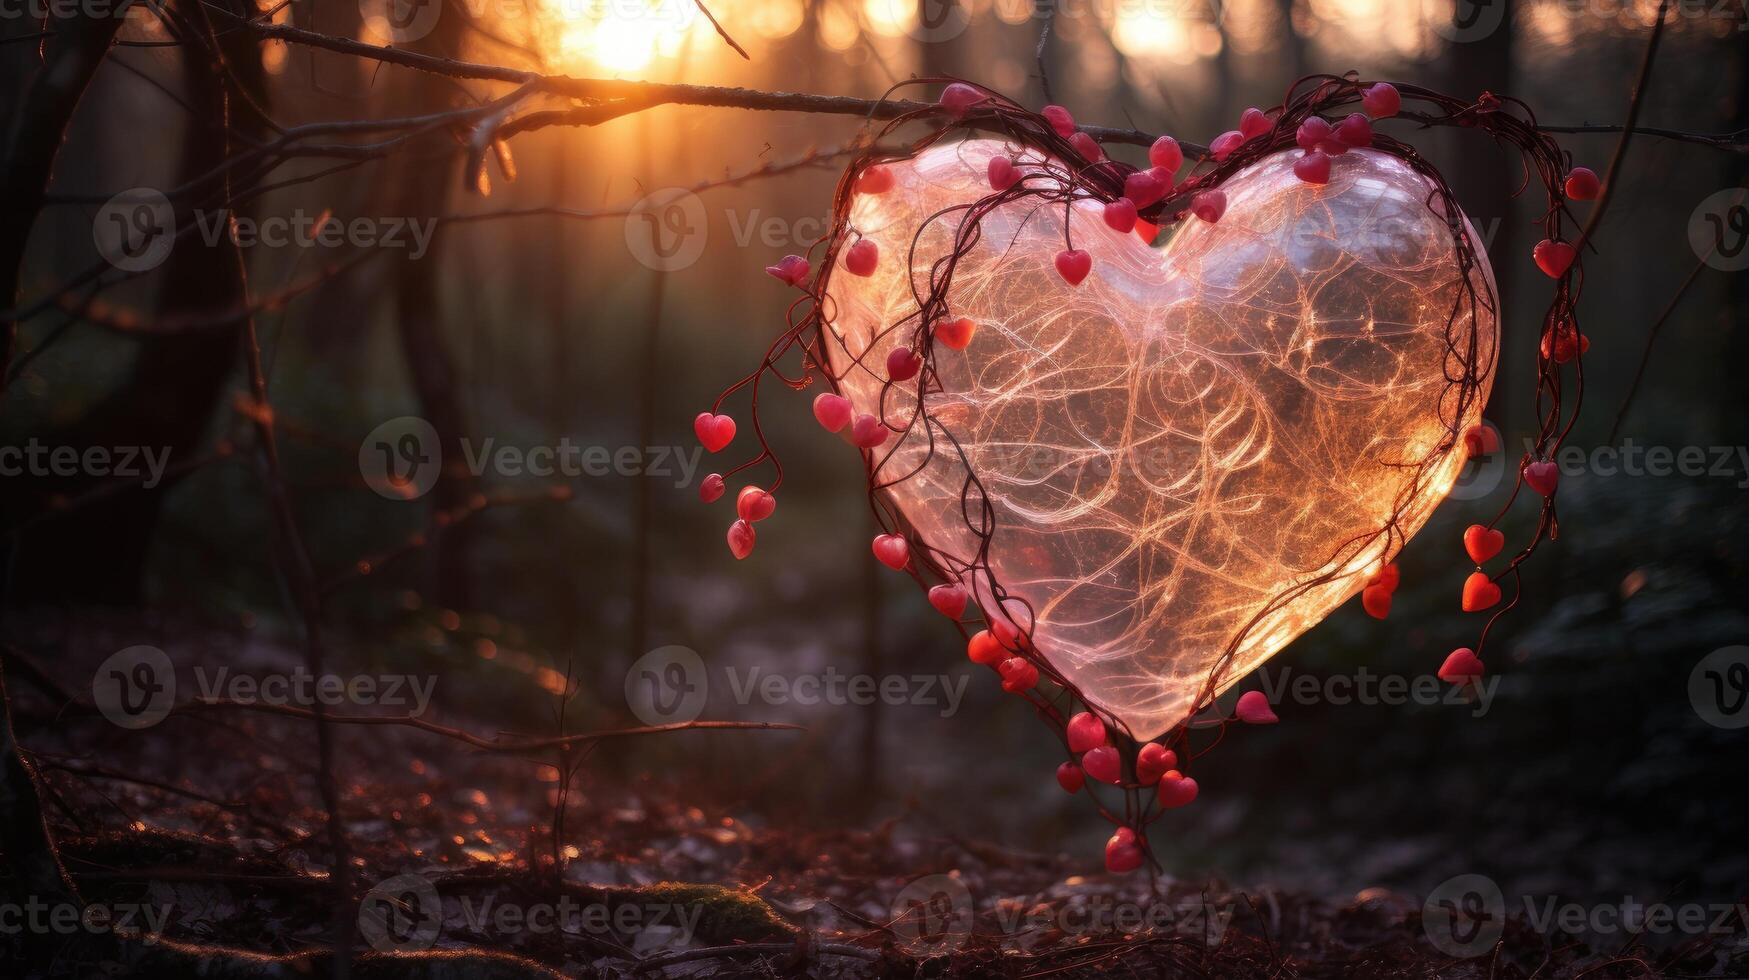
(1176, 443)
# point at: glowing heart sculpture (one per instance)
(1200, 449)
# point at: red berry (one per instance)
(984, 648)
(1554, 258)
(713, 431)
(1312, 133)
(867, 432)
(1070, 777)
(710, 489)
(1176, 790)
(1313, 167)
(1563, 343)
(754, 504)
(1355, 131)
(1120, 215)
(1376, 600)
(1060, 120)
(876, 179)
(958, 99)
(1224, 144)
(1253, 123)
(1103, 763)
(832, 411)
(1482, 542)
(1479, 592)
(1086, 731)
(1166, 154)
(1143, 188)
(740, 539)
(1583, 185)
(1209, 205)
(956, 334)
(1254, 709)
(1481, 439)
(903, 363)
(1018, 674)
(1153, 761)
(1382, 101)
(1122, 858)
(1386, 577)
(892, 550)
(1003, 174)
(792, 269)
(1543, 476)
(1461, 667)
(1073, 264)
(862, 257)
(949, 599)
(1088, 147)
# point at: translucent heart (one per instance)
(1209, 443)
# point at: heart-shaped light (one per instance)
(1197, 444)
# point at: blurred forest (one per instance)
(551, 307)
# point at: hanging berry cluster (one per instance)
(1322, 117)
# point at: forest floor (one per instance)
(209, 840)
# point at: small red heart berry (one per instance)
(1120, 215)
(832, 411)
(1313, 168)
(1121, 854)
(1209, 205)
(903, 363)
(1483, 542)
(1481, 439)
(1073, 264)
(956, 334)
(1143, 188)
(1479, 592)
(713, 431)
(710, 489)
(1376, 600)
(1018, 674)
(1313, 133)
(740, 539)
(874, 180)
(1355, 131)
(1461, 667)
(984, 648)
(754, 504)
(792, 269)
(949, 599)
(959, 98)
(1153, 761)
(1060, 119)
(1224, 144)
(860, 259)
(892, 549)
(867, 432)
(1166, 154)
(1382, 101)
(1086, 731)
(1583, 185)
(1103, 763)
(1088, 147)
(1254, 709)
(1386, 577)
(1554, 258)
(1253, 123)
(1543, 476)
(1070, 777)
(1003, 174)
(1176, 790)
